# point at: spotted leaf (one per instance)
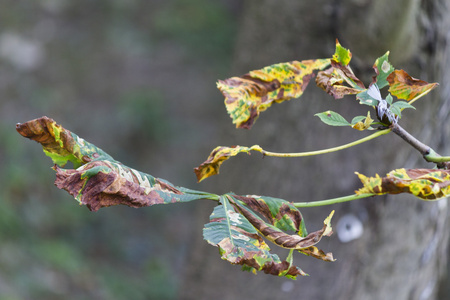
(383, 69)
(332, 118)
(426, 184)
(247, 96)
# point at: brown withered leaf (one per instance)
(278, 212)
(219, 154)
(106, 183)
(403, 86)
(102, 183)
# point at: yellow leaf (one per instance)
(363, 126)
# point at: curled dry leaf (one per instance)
(426, 184)
(97, 180)
(278, 212)
(211, 166)
(284, 240)
(247, 96)
(339, 80)
(60, 144)
(406, 87)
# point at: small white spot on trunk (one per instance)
(349, 228)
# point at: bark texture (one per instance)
(403, 251)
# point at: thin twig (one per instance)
(332, 201)
(329, 150)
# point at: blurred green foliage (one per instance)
(200, 25)
(125, 75)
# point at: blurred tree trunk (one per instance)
(403, 251)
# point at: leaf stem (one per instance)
(331, 201)
(329, 150)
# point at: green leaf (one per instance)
(247, 96)
(397, 107)
(402, 105)
(332, 118)
(389, 99)
(383, 68)
(396, 110)
(99, 180)
(426, 184)
(342, 55)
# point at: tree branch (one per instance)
(442, 162)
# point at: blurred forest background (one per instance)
(137, 79)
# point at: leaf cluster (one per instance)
(242, 226)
